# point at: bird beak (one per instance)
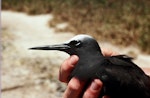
(60, 47)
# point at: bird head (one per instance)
(80, 44)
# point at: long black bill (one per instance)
(60, 47)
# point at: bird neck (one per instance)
(90, 55)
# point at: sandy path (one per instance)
(34, 31)
(30, 31)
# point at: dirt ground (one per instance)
(34, 74)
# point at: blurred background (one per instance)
(122, 26)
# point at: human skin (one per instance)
(75, 86)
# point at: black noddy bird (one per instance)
(120, 76)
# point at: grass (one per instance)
(122, 22)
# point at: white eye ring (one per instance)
(77, 44)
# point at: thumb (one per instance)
(93, 90)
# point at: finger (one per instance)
(146, 70)
(93, 90)
(108, 52)
(106, 97)
(74, 88)
(67, 67)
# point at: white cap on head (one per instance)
(80, 37)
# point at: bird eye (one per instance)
(75, 43)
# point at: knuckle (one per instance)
(73, 86)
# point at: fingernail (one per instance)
(94, 86)
(73, 59)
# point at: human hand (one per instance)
(75, 86)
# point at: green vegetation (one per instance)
(123, 22)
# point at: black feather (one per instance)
(123, 79)
(120, 76)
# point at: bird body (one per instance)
(120, 76)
